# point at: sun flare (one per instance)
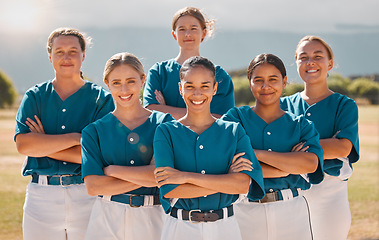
(19, 16)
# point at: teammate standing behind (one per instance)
(336, 119)
(118, 160)
(189, 29)
(48, 130)
(286, 146)
(192, 158)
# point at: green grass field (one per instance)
(363, 185)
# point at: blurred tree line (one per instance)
(362, 88)
(8, 93)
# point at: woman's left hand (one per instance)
(168, 175)
(108, 170)
(240, 164)
(35, 126)
(299, 147)
(159, 97)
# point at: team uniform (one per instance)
(273, 217)
(329, 206)
(57, 205)
(211, 152)
(164, 77)
(136, 214)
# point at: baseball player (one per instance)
(192, 158)
(117, 153)
(49, 122)
(189, 29)
(287, 147)
(335, 117)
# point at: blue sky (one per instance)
(41, 16)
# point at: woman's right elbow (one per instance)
(21, 148)
(91, 188)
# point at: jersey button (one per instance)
(64, 163)
(271, 190)
(132, 161)
(269, 150)
(64, 110)
(131, 139)
(201, 146)
(268, 133)
(202, 171)
(309, 114)
(63, 126)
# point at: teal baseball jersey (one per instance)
(211, 152)
(89, 103)
(109, 142)
(335, 115)
(280, 136)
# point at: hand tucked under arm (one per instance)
(105, 185)
(271, 172)
(336, 148)
(139, 175)
(38, 144)
(232, 183)
(72, 155)
(290, 162)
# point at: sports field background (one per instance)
(363, 185)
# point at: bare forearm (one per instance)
(72, 155)
(104, 185)
(290, 162)
(41, 145)
(189, 191)
(140, 175)
(175, 112)
(272, 172)
(232, 183)
(336, 148)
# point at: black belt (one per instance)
(62, 180)
(275, 196)
(134, 200)
(200, 216)
(269, 197)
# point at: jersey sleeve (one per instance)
(105, 105)
(224, 98)
(256, 188)
(232, 115)
(311, 137)
(347, 127)
(164, 157)
(28, 108)
(153, 82)
(92, 163)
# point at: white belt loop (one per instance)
(148, 200)
(286, 194)
(173, 201)
(42, 180)
(225, 213)
(180, 214)
(107, 197)
(299, 192)
(305, 176)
